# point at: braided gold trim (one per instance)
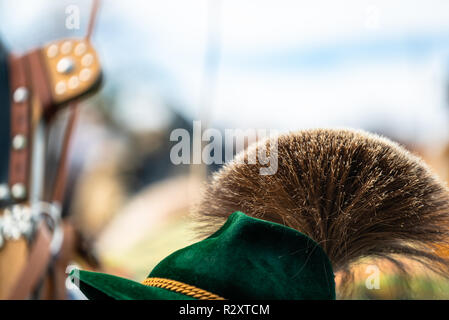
(181, 287)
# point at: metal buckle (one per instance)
(51, 214)
(21, 221)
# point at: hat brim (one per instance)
(102, 286)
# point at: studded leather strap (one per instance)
(52, 76)
(19, 161)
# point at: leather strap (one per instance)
(39, 260)
(61, 174)
(13, 258)
(39, 257)
(48, 87)
(20, 124)
(53, 287)
(40, 81)
(62, 261)
(36, 266)
(28, 67)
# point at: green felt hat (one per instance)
(247, 258)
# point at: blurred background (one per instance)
(382, 66)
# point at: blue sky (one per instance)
(279, 64)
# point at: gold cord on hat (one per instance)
(181, 287)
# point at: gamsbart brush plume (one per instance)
(355, 193)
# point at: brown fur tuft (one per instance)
(356, 194)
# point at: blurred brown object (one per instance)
(99, 194)
(149, 227)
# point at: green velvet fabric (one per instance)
(247, 258)
(100, 286)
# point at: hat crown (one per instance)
(249, 258)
